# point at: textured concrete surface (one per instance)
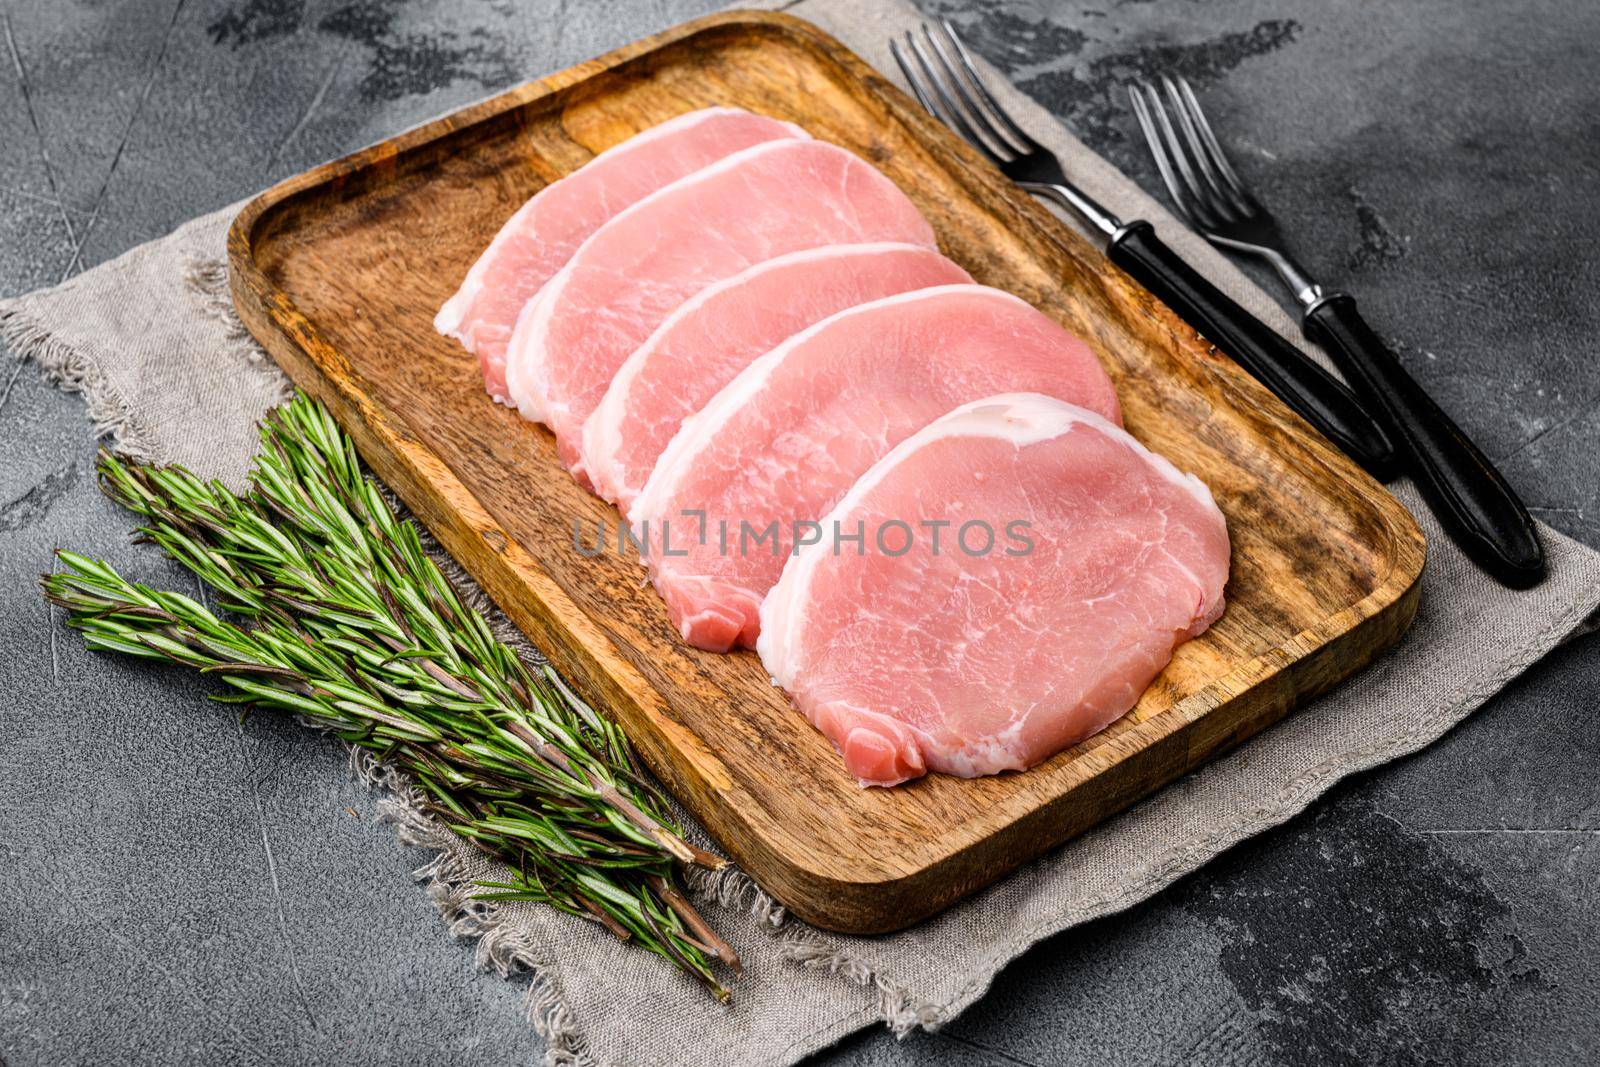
(178, 886)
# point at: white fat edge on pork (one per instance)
(454, 311)
(602, 435)
(698, 430)
(528, 397)
(526, 378)
(1021, 418)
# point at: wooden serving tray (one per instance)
(338, 272)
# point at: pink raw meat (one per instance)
(971, 663)
(763, 202)
(536, 241)
(786, 438)
(716, 333)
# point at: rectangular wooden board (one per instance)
(339, 272)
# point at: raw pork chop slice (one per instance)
(784, 440)
(763, 202)
(536, 241)
(717, 333)
(974, 662)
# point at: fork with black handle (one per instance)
(1473, 502)
(947, 83)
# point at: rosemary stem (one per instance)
(347, 623)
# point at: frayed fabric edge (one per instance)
(72, 372)
(207, 279)
(730, 888)
(499, 947)
(898, 1008)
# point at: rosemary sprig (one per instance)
(351, 626)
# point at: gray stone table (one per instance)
(178, 886)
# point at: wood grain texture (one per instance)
(338, 272)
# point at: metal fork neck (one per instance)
(1081, 203)
(1305, 289)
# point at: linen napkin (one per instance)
(151, 340)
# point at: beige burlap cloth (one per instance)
(151, 341)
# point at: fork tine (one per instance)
(924, 84)
(1199, 153)
(1158, 150)
(938, 76)
(1200, 206)
(1219, 206)
(918, 89)
(1235, 184)
(971, 108)
(984, 99)
(924, 79)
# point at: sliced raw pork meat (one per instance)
(717, 333)
(974, 664)
(783, 441)
(763, 202)
(539, 239)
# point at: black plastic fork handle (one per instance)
(1478, 509)
(1319, 397)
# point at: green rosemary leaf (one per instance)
(350, 625)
